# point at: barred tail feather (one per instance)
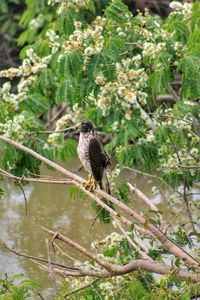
(104, 184)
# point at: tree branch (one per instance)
(113, 270)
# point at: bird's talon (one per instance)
(90, 185)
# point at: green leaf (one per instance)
(36, 103)
(190, 67)
(69, 150)
(100, 63)
(91, 7)
(118, 12)
(3, 6)
(71, 65)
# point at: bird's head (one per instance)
(85, 126)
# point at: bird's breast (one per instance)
(83, 151)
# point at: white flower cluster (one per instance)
(109, 241)
(14, 128)
(112, 175)
(28, 71)
(109, 288)
(69, 4)
(100, 79)
(88, 41)
(60, 124)
(10, 101)
(155, 35)
(66, 120)
(152, 41)
(171, 160)
(37, 22)
(153, 49)
(53, 40)
(172, 163)
(23, 85)
(184, 9)
(127, 92)
(53, 139)
(53, 2)
(31, 65)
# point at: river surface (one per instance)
(53, 207)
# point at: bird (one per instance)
(93, 157)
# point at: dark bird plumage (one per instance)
(92, 154)
(94, 159)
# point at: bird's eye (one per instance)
(86, 127)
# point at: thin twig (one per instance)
(41, 297)
(51, 270)
(47, 131)
(56, 115)
(184, 185)
(36, 180)
(67, 255)
(132, 243)
(175, 217)
(25, 199)
(148, 175)
(81, 288)
(34, 257)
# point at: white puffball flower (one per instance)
(89, 51)
(6, 87)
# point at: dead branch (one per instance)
(78, 247)
(113, 270)
(165, 98)
(36, 180)
(142, 196)
(51, 269)
(34, 258)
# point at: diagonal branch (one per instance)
(78, 247)
(118, 270)
(137, 192)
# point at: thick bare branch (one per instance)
(139, 264)
(113, 270)
(80, 248)
(137, 192)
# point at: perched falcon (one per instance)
(93, 157)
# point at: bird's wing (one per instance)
(99, 160)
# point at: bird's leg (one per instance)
(90, 184)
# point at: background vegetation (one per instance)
(137, 78)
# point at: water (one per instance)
(51, 206)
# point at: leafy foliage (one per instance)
(110, 69)
(10, 289)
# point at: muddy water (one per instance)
(52, 206)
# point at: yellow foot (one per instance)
(90, 185)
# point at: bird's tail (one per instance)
(105, 186)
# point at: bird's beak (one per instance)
(78, 125)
